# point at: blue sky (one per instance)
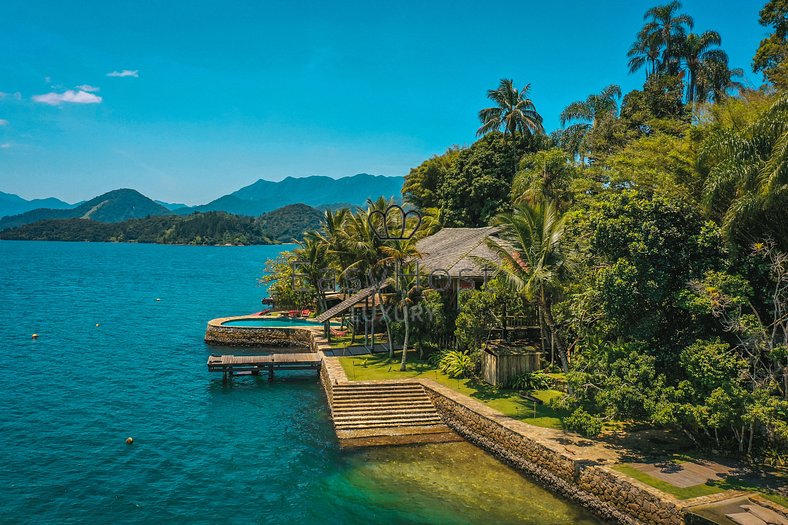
(187, 101)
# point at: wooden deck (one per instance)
(232, 365)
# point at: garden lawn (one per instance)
(506, 401)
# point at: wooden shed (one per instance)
(503, 362)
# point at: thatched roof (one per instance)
(456, 249)
(344, 305)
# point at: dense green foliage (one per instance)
(772, 54)
(282, 225)
(648, 238)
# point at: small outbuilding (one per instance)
(503, 362)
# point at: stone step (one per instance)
(403, 439)
(391, 399)
(385, 395)
(375, 422)
(355, 407)
(382, 386)
(381, 400)
(387, 424)
(400, 414)
(394, 431)
(382, 414)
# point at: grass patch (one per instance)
(681, 493)
(507, 401)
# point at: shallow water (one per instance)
(203, 452)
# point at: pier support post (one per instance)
(270, 372)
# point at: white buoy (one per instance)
(129, 440)
(98, 324)
(35, 336)
(157, 299)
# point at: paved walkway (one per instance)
(686, 474)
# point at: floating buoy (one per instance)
(129, 440)
(98, 324)
(157, 299)
(35, 336)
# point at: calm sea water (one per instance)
(112, 362)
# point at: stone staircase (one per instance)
(386, 413)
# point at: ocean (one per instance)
(120, 353)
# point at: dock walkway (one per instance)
(231, 365)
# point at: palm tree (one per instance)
(668, 28)
(645, 51)
(312, 256)
(589, 112)
(747, 184)
(401, 253)
(695, 50)
(531, 260)
(716, 79)
(513, 111)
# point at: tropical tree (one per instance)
(513, 112)
(695, 50)
(747, 182)
(716, 79)
(645, 52)
(772, 54)
(668, 27)
(531, 259)
(312, 261)
(590, 112)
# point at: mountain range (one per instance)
(253, 200)
(11, 204)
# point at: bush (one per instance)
(456, 364)
(583, 423)
(532, 381)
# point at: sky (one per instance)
(188, 101)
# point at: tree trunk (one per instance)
(405, 340)
(559, 344)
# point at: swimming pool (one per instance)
(271, 323)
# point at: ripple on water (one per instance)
(203, 452)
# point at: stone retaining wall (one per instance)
(610, 494)
(274, 337)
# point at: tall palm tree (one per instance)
(716, 79)
(645, 52)
(747, 184)
(669, 28)
(531, 259)
(401, 253)
(312, 256)
(695, 50)
(513, 111)
(589, 112)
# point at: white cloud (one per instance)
(3, 122)
(125, 73)
(88, 88)
(70, 96)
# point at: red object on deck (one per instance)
(264, 312)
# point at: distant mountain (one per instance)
(210, 228)
(114, 206)
(11, 204)
(265, 195)
(170, 205)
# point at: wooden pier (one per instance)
(233, 365)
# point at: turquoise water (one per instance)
(271, 322)
(203, 452)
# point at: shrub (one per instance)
(532, 381)
(456, 364)
(583, 423)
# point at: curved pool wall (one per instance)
(293, 338)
